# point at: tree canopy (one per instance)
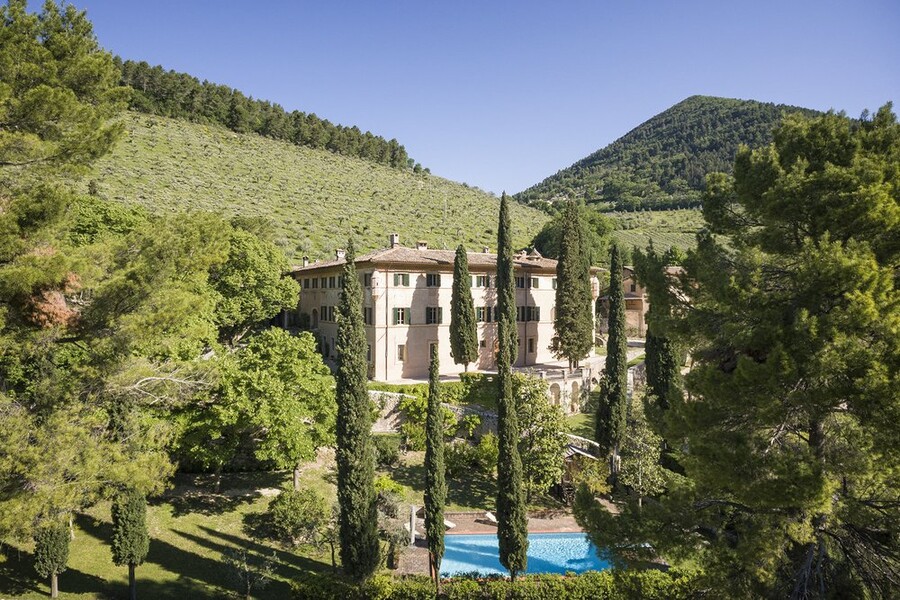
(786, 436)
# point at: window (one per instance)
(528, 313)
(401, 353)
(433, 280)
(331, 313)
(323, 313)
(367, 280)
(340, 281)
(520, 282)
(401, 316)
(401, 279)
(367, 315)
(315, 283)
(331, 282)
(633, 286)
(369, 352)
(433, 315)
(554, 283)
(483, 281)
(534, 282)
(480, 314)
(483, 343)
(531, 345)
(306, 283)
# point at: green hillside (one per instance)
(667, 228)
(314, 198)
(663, 162)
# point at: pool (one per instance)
(547, 553)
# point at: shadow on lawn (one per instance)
(195, 573)
(473, 490)
(215, 494)
(17, 577)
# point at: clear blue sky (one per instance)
(503, 94)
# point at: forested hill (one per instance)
(182, 96)
(663, 162)
(311, 200)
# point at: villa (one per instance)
(406, 307)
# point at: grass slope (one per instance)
(315, 199)
(667, 228)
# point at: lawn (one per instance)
(581, 425)
(197, 521)
(190, 530)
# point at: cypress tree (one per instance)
(611, 416)
(51, 553)
(131, 540)
(463, 329)
(435, 481)
(661, 353)
(512, 529)
(574, 323)
(355, 459)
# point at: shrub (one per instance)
(387, 450)
(299, 516)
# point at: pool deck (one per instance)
(414, 559)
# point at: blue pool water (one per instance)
(547, 553)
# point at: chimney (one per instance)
(339, 253)
(421, 245)
(305, 261)
(394, 239)
(485, 249)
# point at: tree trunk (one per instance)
(297, 477)
(333, 562)
(54, 586)
(132, 583)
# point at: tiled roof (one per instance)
(401, 255)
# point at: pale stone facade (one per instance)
(406, 307)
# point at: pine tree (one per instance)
(131, 540)
(512, 517)
(612, 414)
(574, 324)
(788, 441)
(355, 459)
(435, 480)
(463, 328)
(51, 553)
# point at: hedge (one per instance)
(676, 584)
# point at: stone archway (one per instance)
(555, 393)
(574, 399)
(314, 319)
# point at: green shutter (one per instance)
(408, 313)
(440, 315)
(396, 316)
